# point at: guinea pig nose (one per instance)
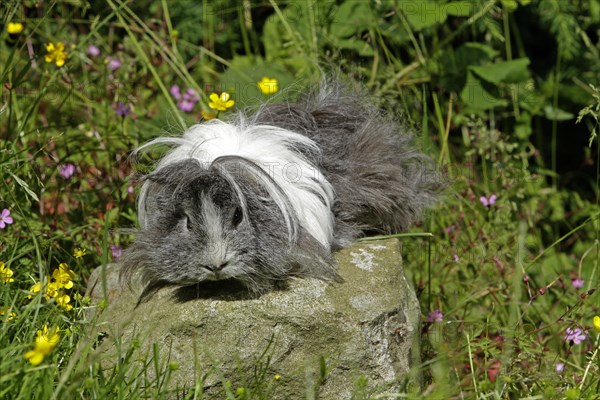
(217, 267)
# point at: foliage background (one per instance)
(502, 93)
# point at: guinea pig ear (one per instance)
(242, 173)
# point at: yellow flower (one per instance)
(207, 115)
(277, 377)
(220, 103)
(14, 28)
(11, 315)
(597, 323)
(63, 276)
(56, 53)
(52, 290)
(268, 85)
(35, 356)
(63, 301)
(6, 273)
(78, 253)
(34, 289)
(45, 341)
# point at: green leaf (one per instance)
(361, 47)
(479, 95)
(454, 64)
(523, 126)
(513, 71)
(424, 14)
(459, 8)
(25, 187)
(351, 17)
(241, 79)
(556, 114)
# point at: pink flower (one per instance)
(187, 101)
(435, 316)
(456, 258)
(122, 109)
(560, 367)
(5, 218)
(175, 92)
(93, 51)
(67, 170)
(577, 283)
(488, 201)
(112, 63)
(575, 336)
(116, 251)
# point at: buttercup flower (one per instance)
(63, 301)
(488, 201)
(63, 277)
(268, 86)
(596, 322)
(575, 336)
(34, 289)
(78, 253)
(46, 340)
(220, 103)
(52, 290)
(10, 317)
(5, 218)
(56, 53)
(6, 273)
(67, 170)
(14, 28)
(435, 316)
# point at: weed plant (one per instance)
(504, 94)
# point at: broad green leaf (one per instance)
(241, 79)
(424, 14)
(453, 64)
(459, 8)
(513, 71)
(350, 18)
(479, 95)
(556, 114)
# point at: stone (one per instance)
(320, 339)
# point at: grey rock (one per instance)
(364, 330)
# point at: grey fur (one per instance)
(381, 182)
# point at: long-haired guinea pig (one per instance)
(267, 197)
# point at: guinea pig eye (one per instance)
(237, 216)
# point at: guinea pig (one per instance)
(266, 197)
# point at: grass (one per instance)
(499, 116)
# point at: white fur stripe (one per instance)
(278, 152)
